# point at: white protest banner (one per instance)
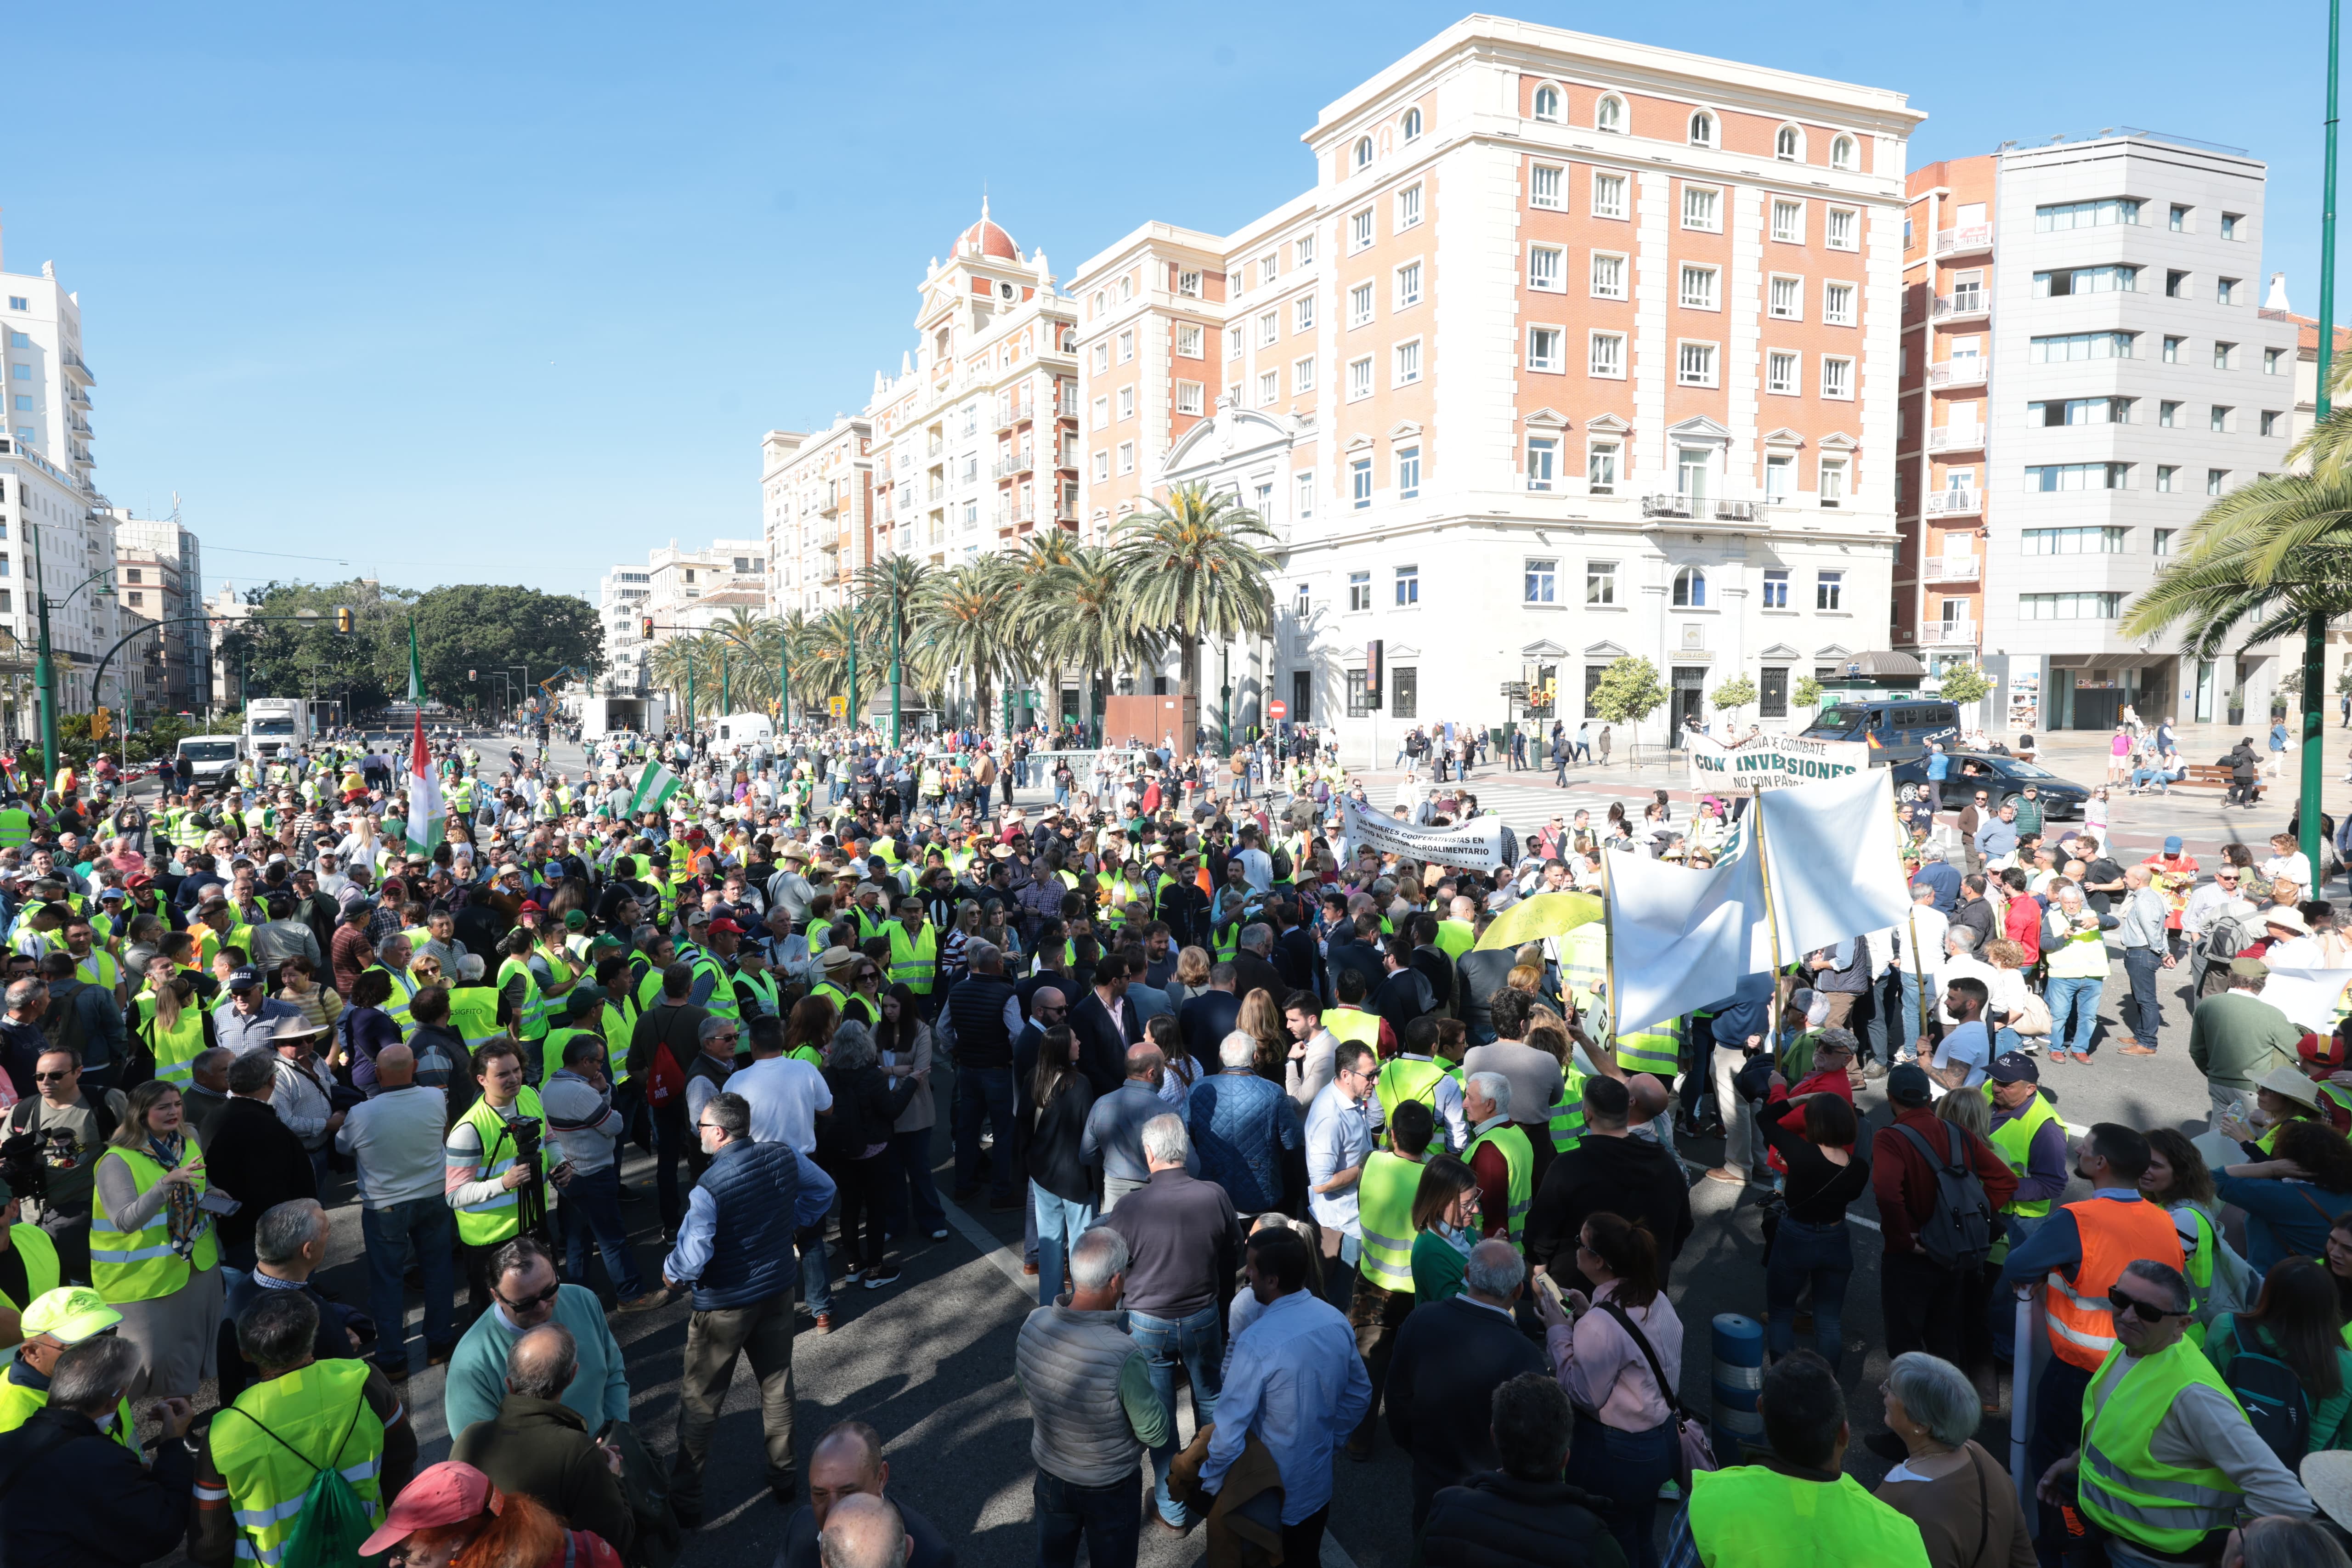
(2307, 997)
(1479, 845)
(1771, 761)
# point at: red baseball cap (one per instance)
(531, 907)
(723, 925)
(445, 1493)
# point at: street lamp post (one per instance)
(1224, 697)
(2315, 631)
(45, 674)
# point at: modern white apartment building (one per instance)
(621, 596)
(698, 589)
(49, 508)
(2086, 368)
(968, 449)
(1575, 348)
(159, 577)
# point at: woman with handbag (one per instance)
(1962, 1500)
(1619, 1357)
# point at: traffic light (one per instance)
(469, 675)
(101, 724)
(343, 619)
(644, 628)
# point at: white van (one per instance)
(740, 734)
(214, 757)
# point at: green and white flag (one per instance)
(656, 785)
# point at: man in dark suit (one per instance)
(1207, 1018)
(1295, 955)
(254, 1157)
(1106, 1026)
(1430, 960)
(1359, 951)
(1253, 968)
(1404, 994)
(1450, 1357)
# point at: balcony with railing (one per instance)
(1008, 468)
(1957, 373)
(1956, 438)
(1948, 634)
(1949, 569)
(75, 368)
(1962, 305)
(1967, 240)
(1697, 508)
(1955, 503)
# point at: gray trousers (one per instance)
(763, 1332)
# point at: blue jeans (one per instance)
(914, 1206)
(2143, 1010)
(591, 1205)
(2073, 1010)
(1198, 1341)
(1060, 1223)
(983, 1093)
(1105, 1518)
(428, 1226)
(1824, 1254)
(817, 1274)
(1626, 1467)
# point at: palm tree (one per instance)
(1076, 614)
(970, 613)
(675, 665)
(2271, 559)
(832, 636)
(1193, 568)
(891, 591)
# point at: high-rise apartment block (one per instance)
(2086, 367)
(159, 578)
(50, 511)
(969, 448)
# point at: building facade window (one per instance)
(1690, 589)
(1543, 457)
(1608, 355)
(1543, 348)
(1541, 581)
(1601, 583)
(1359, 591)
(1360, 483)
(1408, 586)
(1600, 467)
(2092, 606)
(1789, 222)
(1776, 587)
(1608, 276)
(1408, 472)
(1545, 189)
(1829, 589)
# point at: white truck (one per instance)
(273, 724)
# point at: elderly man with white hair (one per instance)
(1184, 1243)
(1240, 1123)
(1499, 1156)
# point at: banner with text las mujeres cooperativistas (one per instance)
(1771, 761)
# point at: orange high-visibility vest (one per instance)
(2115, 1235)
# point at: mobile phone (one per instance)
(1543, 1283)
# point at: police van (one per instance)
(1896, 727)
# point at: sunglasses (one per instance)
(51, 1077)
(2147, 1314)
(539, 1298)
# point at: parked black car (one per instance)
(2001, 777)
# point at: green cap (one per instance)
(69, 1315)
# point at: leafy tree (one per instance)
(483, 626)
(1808, 692)
(1194, 569)
(304, 658)
(1964, 684)
(1629, 692)
(1733, 695)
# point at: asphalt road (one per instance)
(929, 1360)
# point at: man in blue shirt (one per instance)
(1934, 873)
(1295, 1382)
(735, 1251)
(1940, 766)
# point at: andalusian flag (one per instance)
(656, 785)
(426, 818)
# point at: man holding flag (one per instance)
(427, 820)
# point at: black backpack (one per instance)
(2272, 1395)
(1957, 1234)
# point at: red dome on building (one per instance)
(990, 239)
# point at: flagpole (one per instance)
(1771, 916)
(1608, 950)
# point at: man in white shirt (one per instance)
(785, 1093)
(1257, 866)
(396, 1138)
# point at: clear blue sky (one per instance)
(508, 292)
